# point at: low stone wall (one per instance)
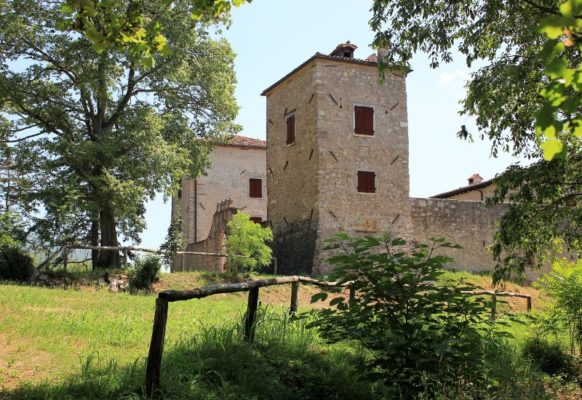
(215, 243)
(468, 223)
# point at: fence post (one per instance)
(125, 257)
(65, 257)
(528, 304)
(251, 316)
(493, 307)
(154, 364)
(294, 298)
(352, 296)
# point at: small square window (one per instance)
(256, 188)
(364, 120)
(257, 220)
(290, 129)
(366, 182)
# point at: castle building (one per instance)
(336, 161)
(337, 158)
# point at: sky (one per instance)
(272, 37)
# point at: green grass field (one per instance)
(87, 343)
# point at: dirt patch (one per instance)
(19, 364)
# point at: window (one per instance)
(364, 120)
(257, 220)
(366, 182)
(291, 129)
(256, 188)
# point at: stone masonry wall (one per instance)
(339, 87)
(292, 172)
(214, 243)
(227, 177)
(468, 223)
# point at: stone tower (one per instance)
(337, 156)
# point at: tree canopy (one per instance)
(96, 131)
(524, 97)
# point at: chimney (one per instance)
(474, 179)
(382, 53)
(345, 50)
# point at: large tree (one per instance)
(505, 95)
(96, 131)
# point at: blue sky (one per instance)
(271, 37)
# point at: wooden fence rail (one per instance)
(156, 350)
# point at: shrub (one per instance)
(146, 272)
(15, 264)
(548, 357)
(564, 283)
(420, 335)
(246, 244)
(175, 241)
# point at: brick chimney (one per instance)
(345, 50)
(474, 179)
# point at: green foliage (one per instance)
(247, 247)
(548, 357)
(564, 284)
(95, 133)
(131, 26)
(526, 99)
(12, 232)
(559, 121)
(420, 334)
(146, 272)
(174, 242)
(15, 264)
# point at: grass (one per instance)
(91, 344)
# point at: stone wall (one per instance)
(227, 177)
(292, 172)
(468, 223)
(214, 243)
(342, 153)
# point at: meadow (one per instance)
(87, 343)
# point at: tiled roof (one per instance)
(463, 189)
(320, 56)
(247, 142)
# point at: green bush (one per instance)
(146, 272)
(15, 264)
(247, 244)
(548, 357)
(420, 335)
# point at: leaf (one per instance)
(552, 26)
(318, 297)
(551, 148)
(336, 301)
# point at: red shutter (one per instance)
(256, 188)
(364, 120)
(291, 129)
(366, 182)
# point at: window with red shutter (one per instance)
(366, 182)
(256, 188)
(291, 129)
(364, 120)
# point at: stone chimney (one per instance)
(345, 50)
(382, 53)
(474, 179)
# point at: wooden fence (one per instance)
(154, 361)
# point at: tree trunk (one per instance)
(108, 258)
(95, 242)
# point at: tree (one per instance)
(175, 241)
(129, 26)
(518, 82)
(246, 244)
(96, 132)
